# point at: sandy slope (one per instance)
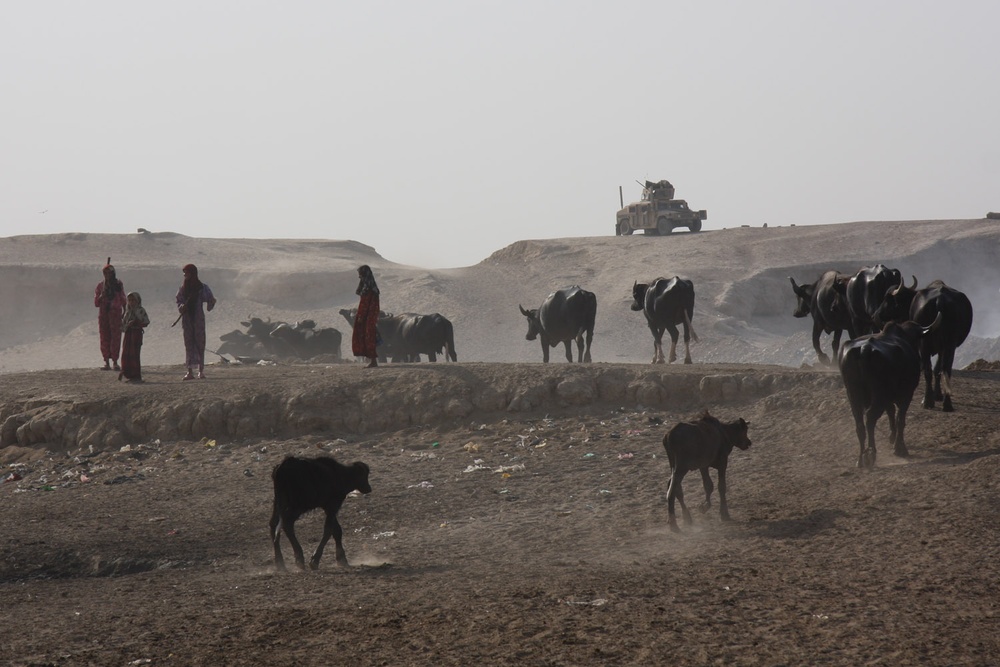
(743, 310)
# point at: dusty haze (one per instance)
(742, 311)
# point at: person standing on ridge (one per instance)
(364, 339)
(191, 295)
(109, 298)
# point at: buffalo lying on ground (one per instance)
(667, 303)
(565, 315)
(880, 373)
(281, 340)
(301, 485)
(826, 301)
(701, 445)
(922, 306)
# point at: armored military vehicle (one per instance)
(658, 213)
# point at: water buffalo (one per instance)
(307, 341)
(902, 303)
(565, 315)
(826, 301)
(880, 373)
(865, 291)
(667, 303)
(301, 485)
(701, 445)
(410, 334)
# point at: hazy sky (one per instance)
(439, 132)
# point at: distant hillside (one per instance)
(742, 315)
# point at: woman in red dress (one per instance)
(365, 336)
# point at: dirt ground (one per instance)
(510, 537)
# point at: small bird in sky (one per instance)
(45, 211)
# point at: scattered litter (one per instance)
(173, 531)
(604, 492)
(208, 442)
(471, 447)
(503, 491)
(435, 444)
(416, 456)
(598, 602)
(506, 469)
(84, 478)
(633, 431)
(247, 472)
(387, 533)
(421, 485)
(625, 455)
(154, 519)
(265, 362)
(48, 488)
(13, 477)
(475, 466)
(126, 448)
(589, 455)
(655, 421)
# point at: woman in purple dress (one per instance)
(190, 297)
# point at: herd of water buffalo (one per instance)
(893, 333)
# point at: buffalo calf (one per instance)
(701, 445)
(301, 485)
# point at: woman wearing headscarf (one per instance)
(190, 297)
(109, 298)
(365, 336)
(134, 321)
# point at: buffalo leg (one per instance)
(579, 349)
(706, 481)
(859, 429)
(817, 330)
(275, 524)
(657, 344)
(899, 447)
(330, 528)
(687, 343)
(674, 335)
(674, 492)
(949, 360)
(288, 525)
(723, 507)
(872, 415)
(588, 341)
(925, 366)
(568, 345)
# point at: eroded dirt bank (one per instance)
(87, 410)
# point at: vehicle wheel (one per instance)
(663, 226)
(624, 229)
(695, 226)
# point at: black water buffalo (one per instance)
(826, 301)
(565, 316)
(307, 340)
(922, 306)
(281, 340)
(408, 335)
(701, 445)
(301, 485)
(880, 373)
(865, 291)
(667, 303)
